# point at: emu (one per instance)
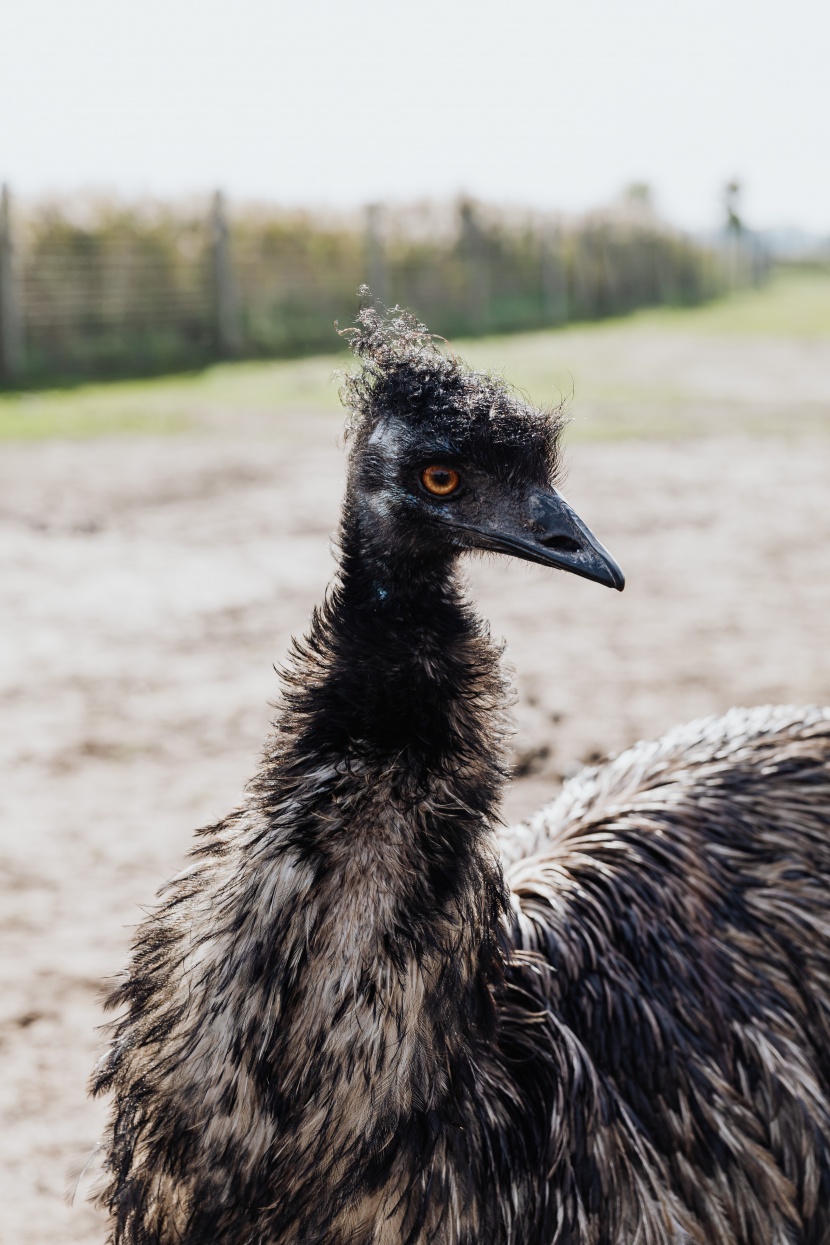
(365, 1013)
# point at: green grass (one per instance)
(792, 304)
(211, 399)
(592, 361)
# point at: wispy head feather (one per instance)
(411, 373)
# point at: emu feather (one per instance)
(366, 1014)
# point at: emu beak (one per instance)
(554, 535)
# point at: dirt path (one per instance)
(149, 585)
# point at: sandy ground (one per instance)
(149, 585)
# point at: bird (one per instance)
(368, 1012)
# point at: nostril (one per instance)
(561, 544)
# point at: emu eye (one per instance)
(441, 481)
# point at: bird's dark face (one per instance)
(446, 489)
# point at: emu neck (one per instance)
(387, 927)
(404, 678)
(389, 746)
(411, 659)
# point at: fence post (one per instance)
(474, 250)
(377, 276)
(11, 325)
(554, 277)
(227, 337)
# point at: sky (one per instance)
(553, 105)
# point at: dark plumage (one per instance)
(364, 1014)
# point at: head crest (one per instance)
(410, 372)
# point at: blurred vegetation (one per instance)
(604, 363)
(108, 290)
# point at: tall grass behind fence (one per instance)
(102, 290)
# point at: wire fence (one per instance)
(99, 290)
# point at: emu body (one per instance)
(364, 1014)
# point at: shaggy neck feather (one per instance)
(397, 678)
(387, 944)
(387, 768)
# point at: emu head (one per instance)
(445, 459)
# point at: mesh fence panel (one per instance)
(132, 291)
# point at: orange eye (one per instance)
(441, 481)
